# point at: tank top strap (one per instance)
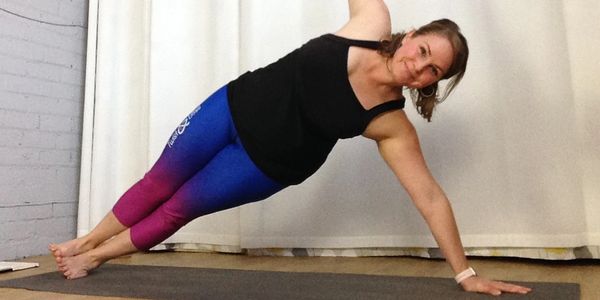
(350, 42)
(384, 107)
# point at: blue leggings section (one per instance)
(203, 169)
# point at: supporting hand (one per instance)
(481, 285)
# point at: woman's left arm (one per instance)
(403, 155)
(402, 152)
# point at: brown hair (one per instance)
(426, 98)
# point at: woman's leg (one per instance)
(201, 135)
(230, 179)
(107, 228)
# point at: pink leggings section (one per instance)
(203, 169)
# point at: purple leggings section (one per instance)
(203, 169)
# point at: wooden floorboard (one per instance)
(586, 273)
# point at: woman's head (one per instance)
(420, 58)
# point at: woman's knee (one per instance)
(157, 186)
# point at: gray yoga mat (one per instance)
(155, 282)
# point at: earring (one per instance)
(430, 94)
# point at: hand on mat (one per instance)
(496, 288)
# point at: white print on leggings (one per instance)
(181, 128)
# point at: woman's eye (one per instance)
(434, 71)
(423, 51)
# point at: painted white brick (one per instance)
(59, 123)
(54, 227)
(70, 173)
(71, 8)
(15, 119)
(68, 141)
(13, 65)
(56, 157)
(46, 35)
(27, 247)
(37, 86)
(76, 4)
(38, 194)
(19, 156)
(40, 51)
(35, 7)
(39, 185)
(76, 160)
(8, 251)
(7, 214)
(77, 126)
(41, 105)
(38, 104)
(35, 212)
(41, 139)
(10, 137)
(17, 230)
(64, 209)
(60, 186)
(24, 175)
(26, 212)
(39, 245)
(22, 194)
(17, 65)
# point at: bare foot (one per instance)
(77, 266)
(70, 248)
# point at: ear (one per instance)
(409, 35)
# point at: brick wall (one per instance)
(42, 70)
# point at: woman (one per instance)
(274, 127)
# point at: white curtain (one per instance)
(515, 147)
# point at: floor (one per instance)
(586, 272)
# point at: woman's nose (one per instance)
(421, 64)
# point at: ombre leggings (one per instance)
(203, 169)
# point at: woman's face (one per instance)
(421, 60)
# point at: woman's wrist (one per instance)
(460, 277)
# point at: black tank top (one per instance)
(290, 114)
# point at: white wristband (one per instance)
(464, 275)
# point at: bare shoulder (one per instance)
(392, 124)
(369, 20)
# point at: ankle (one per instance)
(86, 243)
(95, 260)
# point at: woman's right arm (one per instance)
(369, 20)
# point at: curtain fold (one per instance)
(515, 147)
(194, 51)
(115, 141)
(582, 22)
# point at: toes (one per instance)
(81, 275)
(77, 275)
(55, 249)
